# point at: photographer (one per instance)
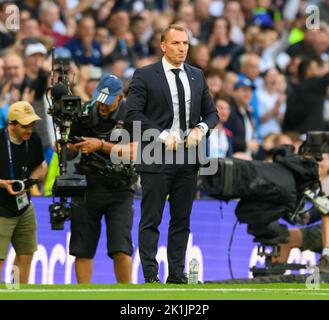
(103, 195)
(21, 157)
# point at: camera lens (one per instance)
(18, 186)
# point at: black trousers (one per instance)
(179, 182)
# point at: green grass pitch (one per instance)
(277, 291)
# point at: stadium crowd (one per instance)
(266, 63)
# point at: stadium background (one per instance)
(211, 227)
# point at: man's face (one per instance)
(105, 110)
(175, 47)
(34, 61)
(23, 132)
(87, 29)
(251, 68)
(243, 96)
(31, 29)
(14, 69)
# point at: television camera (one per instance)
(67, 109)
(269, 191)
(64, 109)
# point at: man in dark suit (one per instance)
(169, 97)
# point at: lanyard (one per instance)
(11, 163)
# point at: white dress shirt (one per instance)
(175, 128)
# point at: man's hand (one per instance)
(125, 151)
(7, 184)
(89, 145)
(194, 138)
(171, 142)
(253, 145)
(28, 95)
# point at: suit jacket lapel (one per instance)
(193, 88)
(164, 84)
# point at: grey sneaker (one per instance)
(324, 264)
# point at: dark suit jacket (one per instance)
(149, 101)
(235, 124)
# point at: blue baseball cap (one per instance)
(108, 88)
(263, 19)
(244, 82)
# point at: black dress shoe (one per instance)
(152, 279)
(177, 278)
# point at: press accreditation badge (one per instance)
(22, 201)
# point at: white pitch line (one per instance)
(288, 290)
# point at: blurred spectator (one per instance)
(221, 46)
(15, 76)
(230, 79)
(37, 73)
(248, 7)
(271, 102)
(186, 15)
(88, 80)
(233, 13)
(201, 11)
(138, 28)
(321, 42)
(200, 56)
(49, 15)
(270, 46)
(219, 142)
(240, 120)
(275, 140)
(305, 103)
(305, 46)
(84, 48)
(15, 85)
(263, 14)
(214, 78)
(118, 68)
(118, 24)
(292, 73)
(155, 50)
(35, 56)
(33, 7)
(251, 35)
(29, 32)
(250, 68)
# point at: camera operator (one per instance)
(314, 237)
(21, 157)
(102, 196)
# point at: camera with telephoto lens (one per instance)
(21, 185)
(269, 191)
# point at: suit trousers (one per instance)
(179, 182)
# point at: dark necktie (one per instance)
(181, 100)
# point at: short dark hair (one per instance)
(177, 27)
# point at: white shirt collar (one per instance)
(167, 66)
